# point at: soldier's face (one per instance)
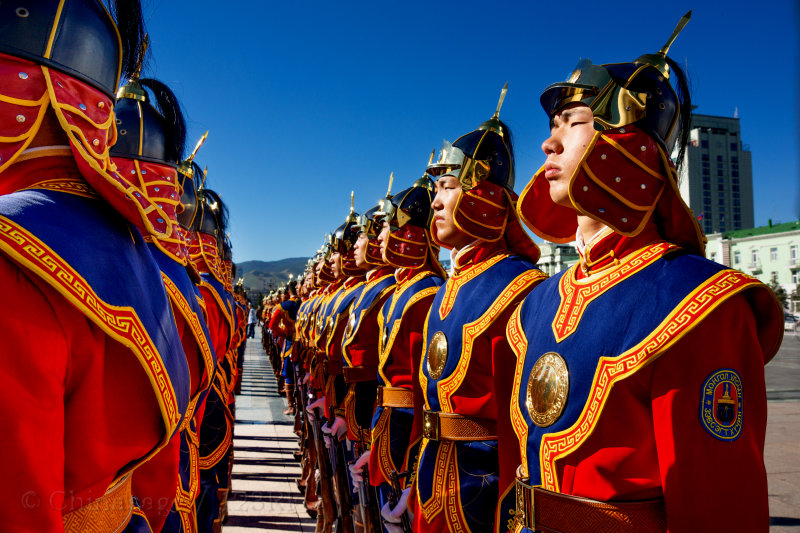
(336, 264)
(383, 237)
(361, 250)
(448, 191)
(571, 132)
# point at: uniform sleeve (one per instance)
(275, 321)
(712, 482)
(35, 369)
(503, 367)
(416, 343)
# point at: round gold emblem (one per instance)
(437, 355)
(351, 324)
(547, 389)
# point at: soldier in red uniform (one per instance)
(148, 150)
(406, 245)
(360, 353)
(639, 396)
(469, 452)
(282, 325)
(93, 365)
(215, 419)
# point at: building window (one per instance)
(704, 143)
(705, 157)
(719, 172)
(796, 277)
(737, 257)
(735, 173)
(754, 256)
(793, 253)
(773, 254)
(734, 147)
(734, 159)
(719, 159)
(714, 256)
(706, 172)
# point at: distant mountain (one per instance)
(263, 276)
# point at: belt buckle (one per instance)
(524, 515)
(430, 425)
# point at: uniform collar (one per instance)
(475, 253)
(379, 272)
(607, 248)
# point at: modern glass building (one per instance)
(716, 179)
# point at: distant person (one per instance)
(251, 321)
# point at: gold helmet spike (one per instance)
(430, 159)
(678, 28)
(205, 174)
(185, 167)
(659, 59)
(391, 180)
(500, 102)
(352, 202)
(197, 147)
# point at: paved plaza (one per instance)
(265, 497)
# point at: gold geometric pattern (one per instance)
(444, 457)
(74, 186)
(457, 281)
(517, 289)
(120, 323)
(515, 336)
(691, 311)
(386, 347)
(177, 298)
(110, 512)
(577, 295)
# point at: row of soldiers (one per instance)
(494, 398)
(121, 326)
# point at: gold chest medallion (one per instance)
(437, 355)
(548, 386)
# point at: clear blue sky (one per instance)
(308, 100)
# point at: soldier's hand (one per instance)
(394, 516)
(338, 428)
(357, 468)
(317, 404)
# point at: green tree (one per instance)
(780, 293)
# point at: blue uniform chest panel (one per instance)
(368, 297)
(347, 299)
(291, 307)
(403, 300)
(473, 300)
(611, 324)
(86, 233)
